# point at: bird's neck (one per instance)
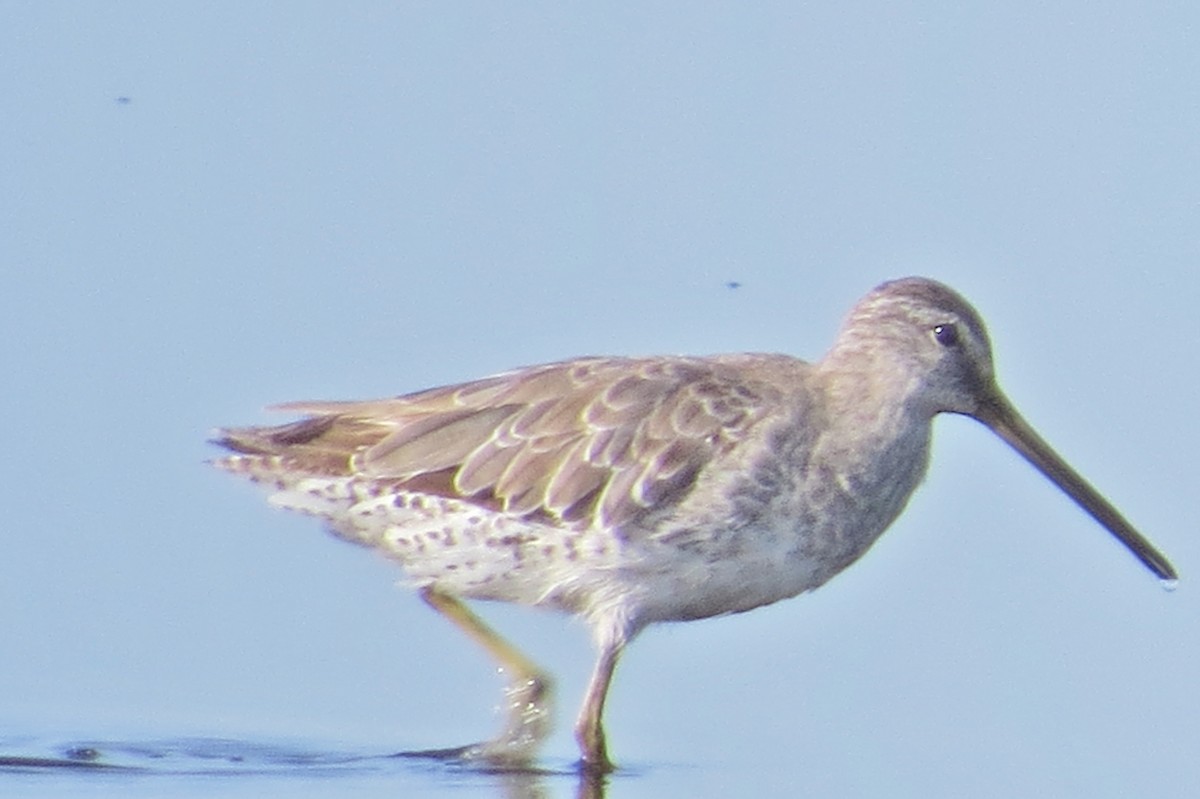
(873, 420)
(868, 391)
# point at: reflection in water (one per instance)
(516, 782)
(532, 784)
(220, 757)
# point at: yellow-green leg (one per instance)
(528, 695)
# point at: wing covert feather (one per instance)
(599, 439)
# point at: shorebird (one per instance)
(630, 491)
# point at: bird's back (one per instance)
(518, 486)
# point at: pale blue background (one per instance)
(315, 201)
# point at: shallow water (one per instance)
(205, 766)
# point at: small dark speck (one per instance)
(123, 100)
(83, 753)
(733, 284)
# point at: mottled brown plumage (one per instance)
(631, 491)
(601, 440)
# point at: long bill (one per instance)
(1002, 418)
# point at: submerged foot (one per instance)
(593, 748)
(528, 706)
(529, 711)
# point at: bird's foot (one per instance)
(529, 708)
(594, 750)
(529, 715)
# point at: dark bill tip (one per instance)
(999, 415)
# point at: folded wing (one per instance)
(598, 440)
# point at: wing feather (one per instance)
(574, 481)
(600, 440)
(432, 443)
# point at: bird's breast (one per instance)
(793, 518)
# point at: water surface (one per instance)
(204, 766)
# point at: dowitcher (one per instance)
(629, 491)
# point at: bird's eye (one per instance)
(946, 335)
